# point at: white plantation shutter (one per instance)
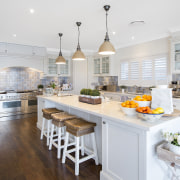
(160, 68)
(147, 70)
(124, 71)
(134, 70)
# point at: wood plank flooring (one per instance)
(23, 156)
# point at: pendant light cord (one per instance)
(106, 23)
(60, 53)
(78, 46)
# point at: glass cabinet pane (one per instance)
(96, 66)
(64, 68)
(52, 67)
(105, 65)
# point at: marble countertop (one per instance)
(108, 110)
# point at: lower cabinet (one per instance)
(120, 155)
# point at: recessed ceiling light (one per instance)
(14, 35)
(113, 32)
(137, 22)
(132, 37)
(31, 11)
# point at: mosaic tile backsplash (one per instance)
(19, 78)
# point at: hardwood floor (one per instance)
(23, 156)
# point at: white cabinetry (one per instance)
(3, 48)
(53, 69)
(175, 56)
(103, 66)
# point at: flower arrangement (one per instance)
(173, 138)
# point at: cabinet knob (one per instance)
(104, 122)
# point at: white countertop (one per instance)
(109, 110)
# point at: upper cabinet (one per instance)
(21, 50)
(103, 66)
(52, 69)
(175, 57)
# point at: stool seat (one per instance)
(59, 118)
(79, 127)
(48, 111)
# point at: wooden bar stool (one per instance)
(79, 127)
(47, 118)
(58, 121)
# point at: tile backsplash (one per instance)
(20, 78)
(108, 80)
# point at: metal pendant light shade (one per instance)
(106, 48)
(78, 55)
(60, 59)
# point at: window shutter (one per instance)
(124, 71)
(134, 70)
(160, 68)
(147, 70)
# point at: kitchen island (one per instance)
(126, 145)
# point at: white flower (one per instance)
(175, 135)
(170, 138)
(178, 139)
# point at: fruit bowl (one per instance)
(143, 103)
(129, 111)
(149, 117)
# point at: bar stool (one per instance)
(79, 127)
(58, 122)
(47, 118)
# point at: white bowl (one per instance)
(149, 117)
(129, 111)
(143, 103)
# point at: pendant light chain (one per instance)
(60, 46)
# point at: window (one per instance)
(124, 71)
(160, 68)
(147, 71)
(134, 70)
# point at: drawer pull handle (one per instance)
(104, 122)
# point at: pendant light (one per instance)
(106, 48)
(60, 59)
(78, 55)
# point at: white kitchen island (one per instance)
(126, 145)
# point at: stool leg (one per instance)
(42, 129)
(94, 147)
(65, 147)
(77, 157)
(51, 137)
(48, 131)
(59, 143)
(82, 145)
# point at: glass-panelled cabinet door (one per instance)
(177, 56)
(97, 66)
(105, 65)
(52, 67)
(64, 68)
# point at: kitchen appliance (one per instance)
(17, 105)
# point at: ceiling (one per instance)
(54, 16)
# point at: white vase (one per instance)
(175, 149)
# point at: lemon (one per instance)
(160, 110)
(154, 111)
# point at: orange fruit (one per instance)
(123, 104)
(136, 104)
(128, 106)
(144, 96)
(127, 103)
(132, 102)
(133, 106)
